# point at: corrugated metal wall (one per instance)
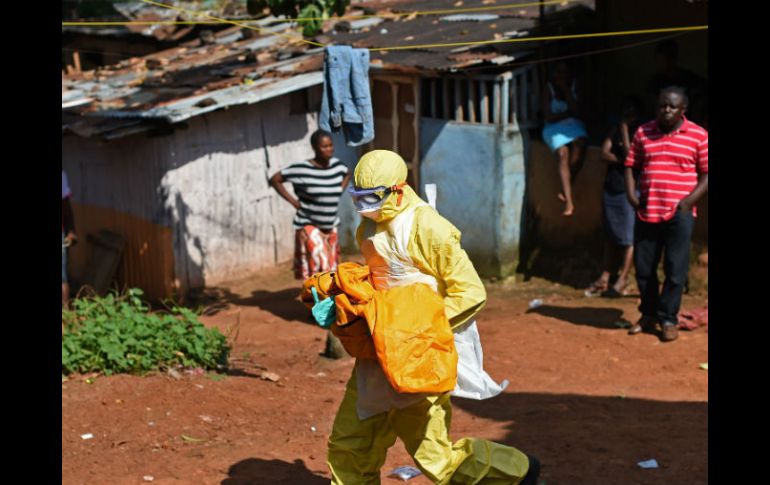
(207, 185)
(148, 261)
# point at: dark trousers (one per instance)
(650, 240)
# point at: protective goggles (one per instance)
(367, 200)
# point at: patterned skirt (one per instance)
(315, 251)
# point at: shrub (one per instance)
(119, 334)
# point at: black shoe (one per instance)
(645, 324)
(533, 473)
(611, 293)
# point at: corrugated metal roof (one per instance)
(185, 81)
(189, 80)
(182, 109)
(529, 11)
(423, 30)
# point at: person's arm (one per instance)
(625, 136)
(703, 185)
(607, 154)
(435, 247)
(465, 293)
(633, 162)
(277, 181)
(346, 180)
(631, 188)
(702, 164)
(68, 220)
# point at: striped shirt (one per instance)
(670, 164)
(318, 190)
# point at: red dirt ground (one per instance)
(586, 398)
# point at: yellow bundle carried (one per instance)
(405, 328)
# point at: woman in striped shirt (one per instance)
(318, 183)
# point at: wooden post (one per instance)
(445, 98)
(471, 101)
(504, 100)
(496, 103)
(458, 101)
(432, 113)
(524, 100)
(484, 101)
(515, 96)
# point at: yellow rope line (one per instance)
(554, 37)
(456, 44)
(307, 19)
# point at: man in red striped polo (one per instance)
(671, 155)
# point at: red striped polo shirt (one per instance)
(670, 164)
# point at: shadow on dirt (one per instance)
(253, 471)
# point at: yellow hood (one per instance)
(385, 168)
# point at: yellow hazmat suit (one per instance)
(404, 328)
(409, 242)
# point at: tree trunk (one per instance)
(334, 348)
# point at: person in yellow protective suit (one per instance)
(405, 241)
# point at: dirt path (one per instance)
(587, 399)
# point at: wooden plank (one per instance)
(496, 103)
(535, 91)
(471, 102)
(458, 101)
(504, 98)
(103, 263)
(392, 78)
(382, 99)
(383, 104)
(445, 98)
(394, 116)
(484, 102)
(148, 256)
(515, 84)
(407, 114)
(524, 100)
(432, 113)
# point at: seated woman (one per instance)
(564, 133)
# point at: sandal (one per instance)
(596, 288)
(611, 293)
(617, 291)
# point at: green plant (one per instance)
(317, 10)
(118, 333)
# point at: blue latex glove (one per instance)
(324, 311)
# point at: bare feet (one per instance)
(568, 210)
(561, 197)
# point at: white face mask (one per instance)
(373, 215)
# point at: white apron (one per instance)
(390, 266)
